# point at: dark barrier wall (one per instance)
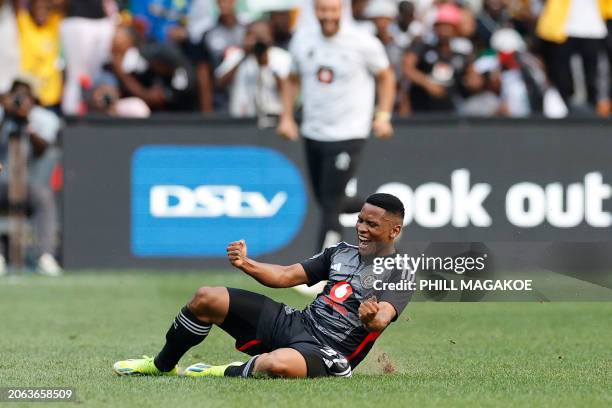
(169, 193)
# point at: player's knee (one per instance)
(202, 300)
(275, 366)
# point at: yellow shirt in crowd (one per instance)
(552, 21)
(40, 55)
(606, 9)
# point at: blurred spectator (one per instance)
(9, 55)
(522, 81)
(493, 16)
(484, 76)
(253, 74)
(227, 32)
(498, 14)
(40, 49)
(435, 69)
(156, 73)
(383, 13)
(20, 112)
(104, 96)
(512, 84)
(406, 28)
(568, 27)
(467, 22)
(280, 21)
(360, 18)
(86, 35)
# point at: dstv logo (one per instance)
(170, 201)
(190, 201)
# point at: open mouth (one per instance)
(364, 243)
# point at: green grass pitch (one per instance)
(69, 331)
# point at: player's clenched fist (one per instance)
(368, 311)
(237, 252)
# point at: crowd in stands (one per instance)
(130, 58)
(512, 58)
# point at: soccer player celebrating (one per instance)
(330, 337)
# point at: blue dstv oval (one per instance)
(191, 201)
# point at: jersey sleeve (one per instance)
(280, 62)
(376, 58)
(317, 267)
(397, 298)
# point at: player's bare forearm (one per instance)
(274, 276)
(385, 90)
(289, 92)
(411, 71)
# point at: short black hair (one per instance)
(388, 202)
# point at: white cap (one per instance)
(507, 40)
(381, 8)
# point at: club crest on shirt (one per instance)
(325, 75)
(367, 281)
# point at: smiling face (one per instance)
(377, 230)
(329, 13)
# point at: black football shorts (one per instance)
(261, 325)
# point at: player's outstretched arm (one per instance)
(273, 276)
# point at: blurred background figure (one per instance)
(360, 16)
(383, 14)
(499, 14)
(86, 36)
(523, 82)
(406, 28)
(39, 42)
(226, 33)
(20, 112)
(156, 73)
(281, 22)
(9, 55)
(253, 74)
(567, 28)
(435, 68)
(104, 96)
(507, 80)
